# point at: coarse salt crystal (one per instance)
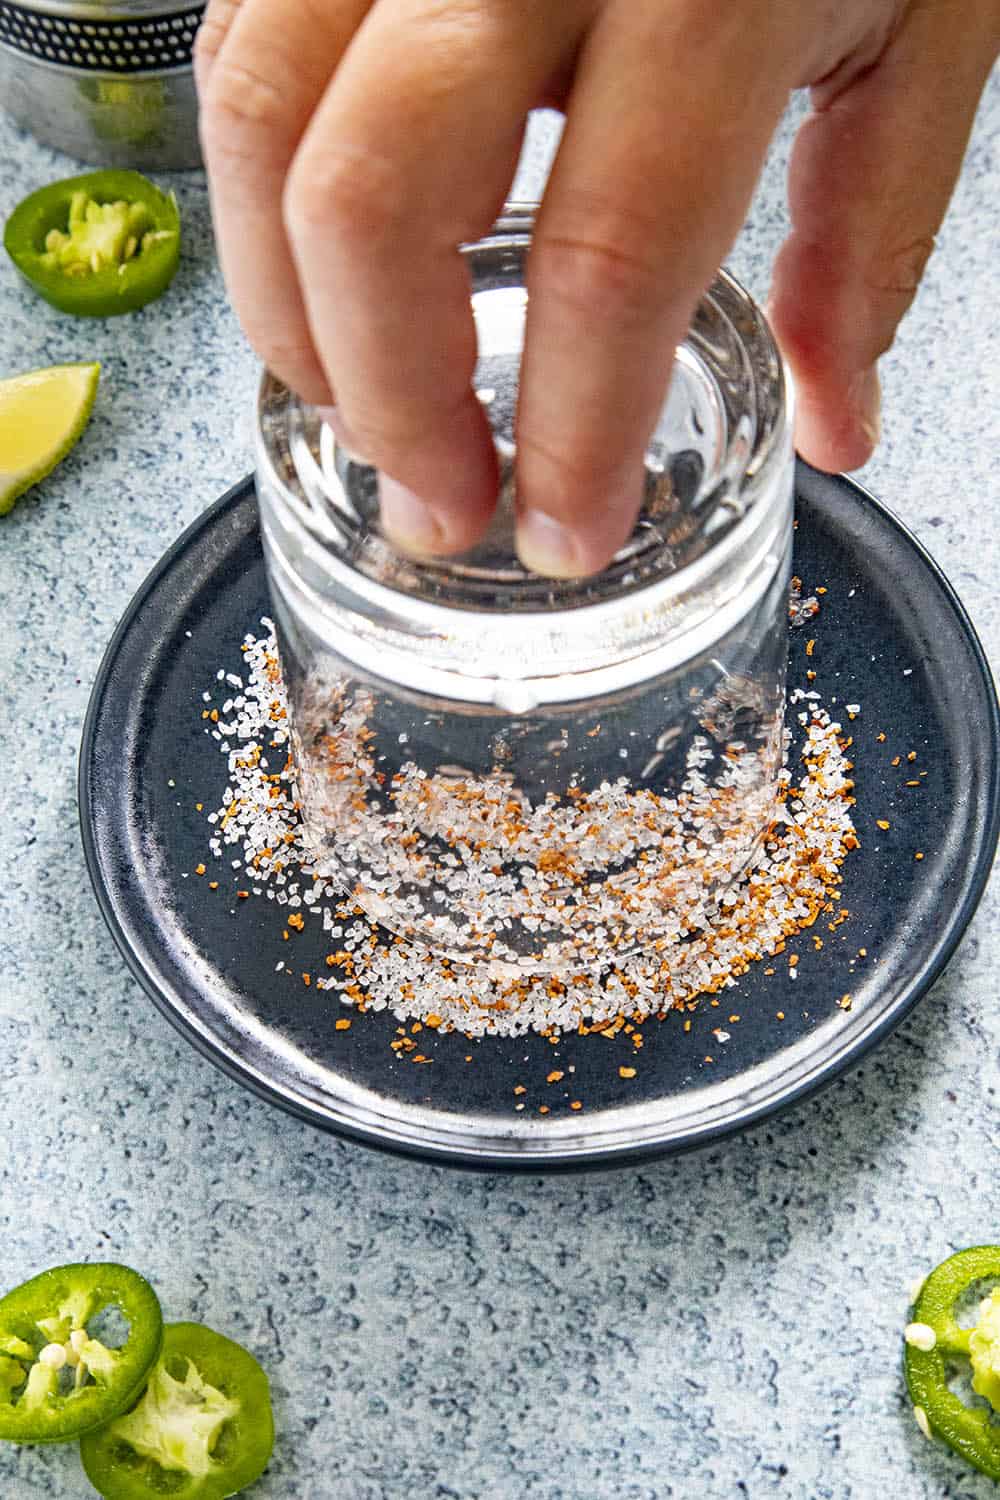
(760, 909)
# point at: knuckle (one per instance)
(243, 106)
(219, 17)
(346, 191)
(208, 42)
(899, 267)
(388, 440)
(390, 431)
(606, 277)
(570, 478)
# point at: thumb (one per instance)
(870, 178)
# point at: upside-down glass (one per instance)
(533, 775)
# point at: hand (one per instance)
(353, 144)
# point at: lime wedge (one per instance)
(42, 414)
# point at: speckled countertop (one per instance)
(723, 1325)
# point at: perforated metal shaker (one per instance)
(107, 83)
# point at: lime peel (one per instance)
(42, 414)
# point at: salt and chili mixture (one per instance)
(791, 883)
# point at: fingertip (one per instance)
(840, 429)
(548, 547)
(453, 520)
(410, 522)
(583, 538)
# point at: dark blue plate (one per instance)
(892, 636)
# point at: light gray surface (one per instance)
(724, 1325)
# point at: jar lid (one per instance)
(707, 508)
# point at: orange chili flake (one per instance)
(911, 755)
(199, 806)
(810, 675)
(844, 1002)
(433, 1021)
(780, 1015)
(895, 760)
(576, 1104)
(626, 1072)
(297, 920)
(543, 1109)
(554, 1076)
(519, 1088)
(918, 855)
(243, 895)
(913, 783)
(880, 738)
(306, 979)
(881, 823)
(810, 647)
(343, 1024)
(199, 869)
(213, 885)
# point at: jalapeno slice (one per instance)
(97, 245)
(63, 1367)
(202, 1430)
(935, 1339)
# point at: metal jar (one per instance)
(111, 84)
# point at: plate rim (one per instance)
(515, 1158)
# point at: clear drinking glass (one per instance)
(537, 775)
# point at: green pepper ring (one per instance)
(65, 1418)
(966, 1429)
(112, 289)
(116, 1471)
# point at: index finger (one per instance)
(411, 153)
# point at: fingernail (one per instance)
(410, 522)
(546, 546)
(870, 405)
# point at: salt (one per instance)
(708, 943)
